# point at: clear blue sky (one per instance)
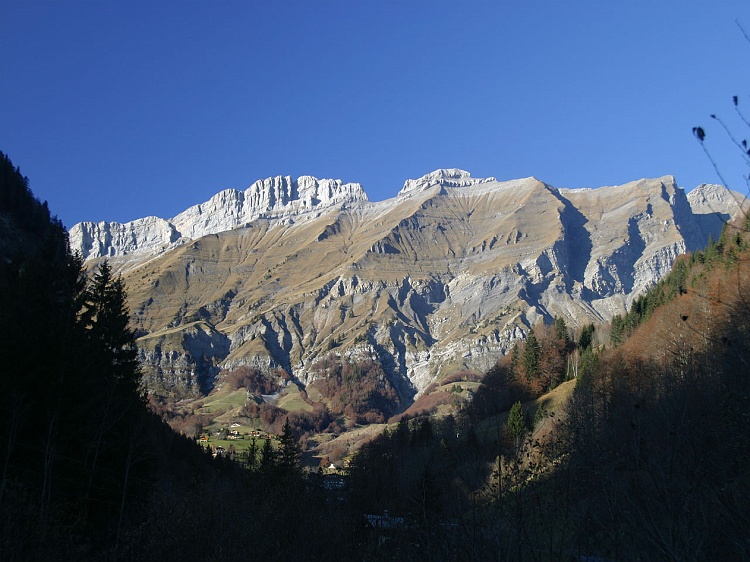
(118, 110)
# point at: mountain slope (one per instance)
(447, 275)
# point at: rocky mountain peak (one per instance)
(713, 205)
(275, 197)
(325, 192)
(446, 177)
(709, 198)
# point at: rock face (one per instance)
(228, 209)
(445, 276)
(713, 205)
(452, 177)
(106, 239)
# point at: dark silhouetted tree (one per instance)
(289, 453)
(105, 316)
(267, 464)
(587, 337)
(531, 356)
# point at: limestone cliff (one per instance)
(228, 209)
(445, 276)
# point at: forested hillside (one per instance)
(77, 444)
(646, 459)
(86, 471)
(658, 431)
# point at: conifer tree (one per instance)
(531, 356)
(289, 451)
(252, 455)
(587, 337)
(515, 427)
(105, 316)
(267, 458)
(561, 329)
(514, 358)
(617, 332)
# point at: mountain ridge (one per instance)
(282, 197)
(446, 275)
(230, 208)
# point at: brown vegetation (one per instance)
(360, 391)
(658, 432)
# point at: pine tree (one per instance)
(588, 366)
(105, 315)
(561, 329)
(587, 337)
(514, 358)
(531, 356)
(115, 396)
(289, 451)
(267, 458)
(252, 455)
(515, 427)
(617, 333)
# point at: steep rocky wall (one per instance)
(446, 276)
(228, 209)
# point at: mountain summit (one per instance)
(452, 177)
(447, 275)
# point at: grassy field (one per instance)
(291, 400)
(224, 399)
(225, 404)
(240, 445)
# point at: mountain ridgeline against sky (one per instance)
(445, 276)
(226, 210)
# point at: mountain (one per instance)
(443, 277)
(273, 197)
(714, 205)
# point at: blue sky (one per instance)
(118, 110)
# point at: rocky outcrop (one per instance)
(445, 276)
(228, 209)
(452, 177)
(712, 206)
(184, 360)
(150, 235)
